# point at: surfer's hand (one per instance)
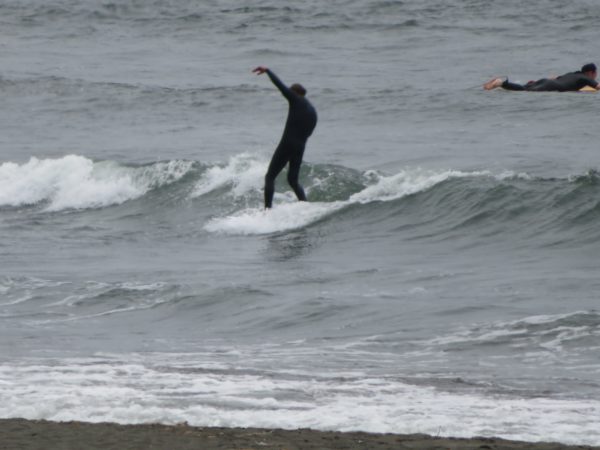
(260, 70)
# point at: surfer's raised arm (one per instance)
(287, 93)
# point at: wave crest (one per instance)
(76, 182)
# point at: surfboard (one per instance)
(587, 89)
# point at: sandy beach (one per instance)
(20, 434)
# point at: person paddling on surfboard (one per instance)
(300, 123)
(572, 81)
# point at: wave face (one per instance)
(446, 202)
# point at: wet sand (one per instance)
(20, 434)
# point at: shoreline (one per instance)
(22, 434)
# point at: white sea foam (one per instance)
(243, 172)
(286, 216)
(139, 390)
(76, 182)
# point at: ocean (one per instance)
(443, 277)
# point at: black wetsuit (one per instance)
(572, 81)
(301, 121)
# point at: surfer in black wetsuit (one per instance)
(572, 81)
(301, 121)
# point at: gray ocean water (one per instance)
(442, 278)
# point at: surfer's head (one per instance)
(590, 70)
(298, 89)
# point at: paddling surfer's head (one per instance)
(590, 71)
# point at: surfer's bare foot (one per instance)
(493, 84)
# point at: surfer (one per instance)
(572, 81)
(300, 123)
